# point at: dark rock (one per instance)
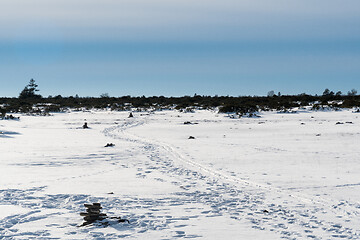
(190, 123)
(123, 220)
(93, 210)
(120, 219)
(93, 214)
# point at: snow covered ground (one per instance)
(291, 176)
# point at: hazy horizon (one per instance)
(179, 48)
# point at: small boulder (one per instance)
(109, 145)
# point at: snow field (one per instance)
(278, 176)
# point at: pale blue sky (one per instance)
(138, 47)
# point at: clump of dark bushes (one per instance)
(241, 105)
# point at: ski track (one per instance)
(289, 214)
(243, 199)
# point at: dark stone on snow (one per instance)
(190, 123)
(93, 214)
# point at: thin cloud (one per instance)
(177, 20)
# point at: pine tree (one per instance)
(30, 90)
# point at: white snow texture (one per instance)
(289, 176)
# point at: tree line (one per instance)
(29, 101)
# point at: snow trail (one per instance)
(290, 214)
(164, 189)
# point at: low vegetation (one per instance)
(30, 102)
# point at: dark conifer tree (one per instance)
(30, 90)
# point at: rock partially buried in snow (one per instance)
(190, 123)
(93, 214)
(109, 145)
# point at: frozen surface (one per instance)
(277, 176)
